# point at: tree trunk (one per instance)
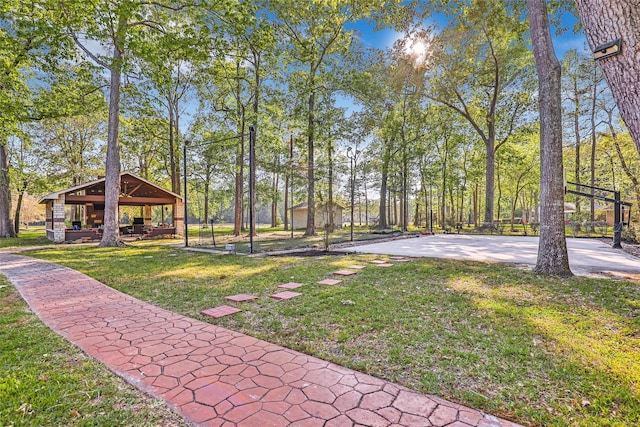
(576, 130)
(332, 226)
(175, 184)
(366, 199)
(288, 183)
(489, 182)
(311, 207)
(395, 208)
(475, 205)
(594, 140)
(176, 152)
(207, 181)
(16, 217)
(274, 198)
(110, 232)
(239, 191)
(405, 189)
(443, 221)
(6, 226)
(382, 217)
(552, 249)
(252, 147)
(606, 21)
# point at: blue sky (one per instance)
(384, 38)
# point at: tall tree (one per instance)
(576, 87)
(126, 29)
(604, 22)
(316, 29)
(552, 249)
(28, 42)
(118, 26)
(481, 73)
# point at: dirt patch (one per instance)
(305, 253)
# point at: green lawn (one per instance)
(537, 350)
(34, 236)
(45, 381)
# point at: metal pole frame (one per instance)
(184, 169)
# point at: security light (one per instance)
(608, 49)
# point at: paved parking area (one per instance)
(586, 256)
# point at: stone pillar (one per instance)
(178, 216)
(146, 213)
(58, 219)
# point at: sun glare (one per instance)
(418, 48)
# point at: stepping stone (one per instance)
(356, 267)
(291, 285)
(284, 295)
(221, 311)
(385, 265)
(329, 282)
(344, 273)
(378, 261)
(240, 298)
(400, 258)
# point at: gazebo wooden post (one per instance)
(146, 214)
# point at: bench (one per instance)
(87, 234)
(159, 231)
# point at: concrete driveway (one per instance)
(586, 256)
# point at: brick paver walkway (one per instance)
(213, 376)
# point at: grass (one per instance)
(533, 349)
(45, 381)
(34, 236)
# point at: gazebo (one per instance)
(134, 191)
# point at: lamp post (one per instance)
(352, 154)
(252, 185)
(292, 175)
